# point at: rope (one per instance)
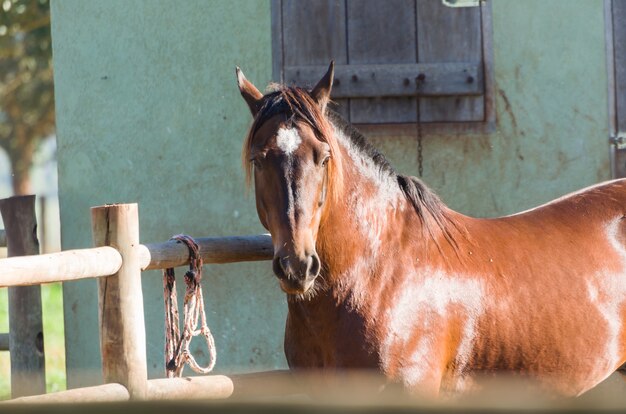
(177, 352)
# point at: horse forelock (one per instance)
(296, 105)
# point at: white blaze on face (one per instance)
(288, 140)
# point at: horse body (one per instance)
(521, 294)
(427, 296)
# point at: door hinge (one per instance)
(619, 141)
(462, 3)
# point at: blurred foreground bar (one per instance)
(324, 392)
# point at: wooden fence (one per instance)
(24, 340)
(117, 261)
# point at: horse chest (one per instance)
(323, 338)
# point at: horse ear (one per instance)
(321, 92)
(250, 93)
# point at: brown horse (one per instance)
(380, 274)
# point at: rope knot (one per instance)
(191, 278)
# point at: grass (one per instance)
(54, 342)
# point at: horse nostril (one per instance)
(277, 267)
(281, 267)
(314, 265)
(284, 264)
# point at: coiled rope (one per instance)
(177, 352)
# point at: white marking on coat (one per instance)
(371, 210)
(607, 291)
(288, 140)
(419, 310)
(413, 372)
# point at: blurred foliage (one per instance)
(26, 84)
(53, 334)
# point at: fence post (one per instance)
(120, 300)
(28, 376)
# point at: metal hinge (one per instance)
(619, 141)
(462, 3)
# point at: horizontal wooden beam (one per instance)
(4, 341)
(59, 267)
(97, 394)
(212, 387)
(372, 81)
(208, 387)
(105, 261)
(276, 383)
(212, 249)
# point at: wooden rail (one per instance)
(59, 267)
(117, 262)
(212, 249)
(105, 261)
(208, 387)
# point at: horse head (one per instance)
(291, 157)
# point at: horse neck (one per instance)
(358, 225)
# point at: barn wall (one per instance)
(148, 112)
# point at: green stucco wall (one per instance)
(148, 112)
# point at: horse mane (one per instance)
(297, 105)
(427, 205)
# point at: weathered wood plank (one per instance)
(120, 300)
(276, 10)
(610, 64)
(615, 16)
(28, 376)
(447, 34)
(96, 394)
(314, 33)
(385, 80)
(190, 388)
(212, 249)
(59, 267)
(383, 33)
(105, 261)
(489, 98)
(4, 341)
(619, 57)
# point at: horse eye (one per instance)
(325, 161)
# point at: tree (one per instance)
(26, 84)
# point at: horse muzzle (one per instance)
(296, 274)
